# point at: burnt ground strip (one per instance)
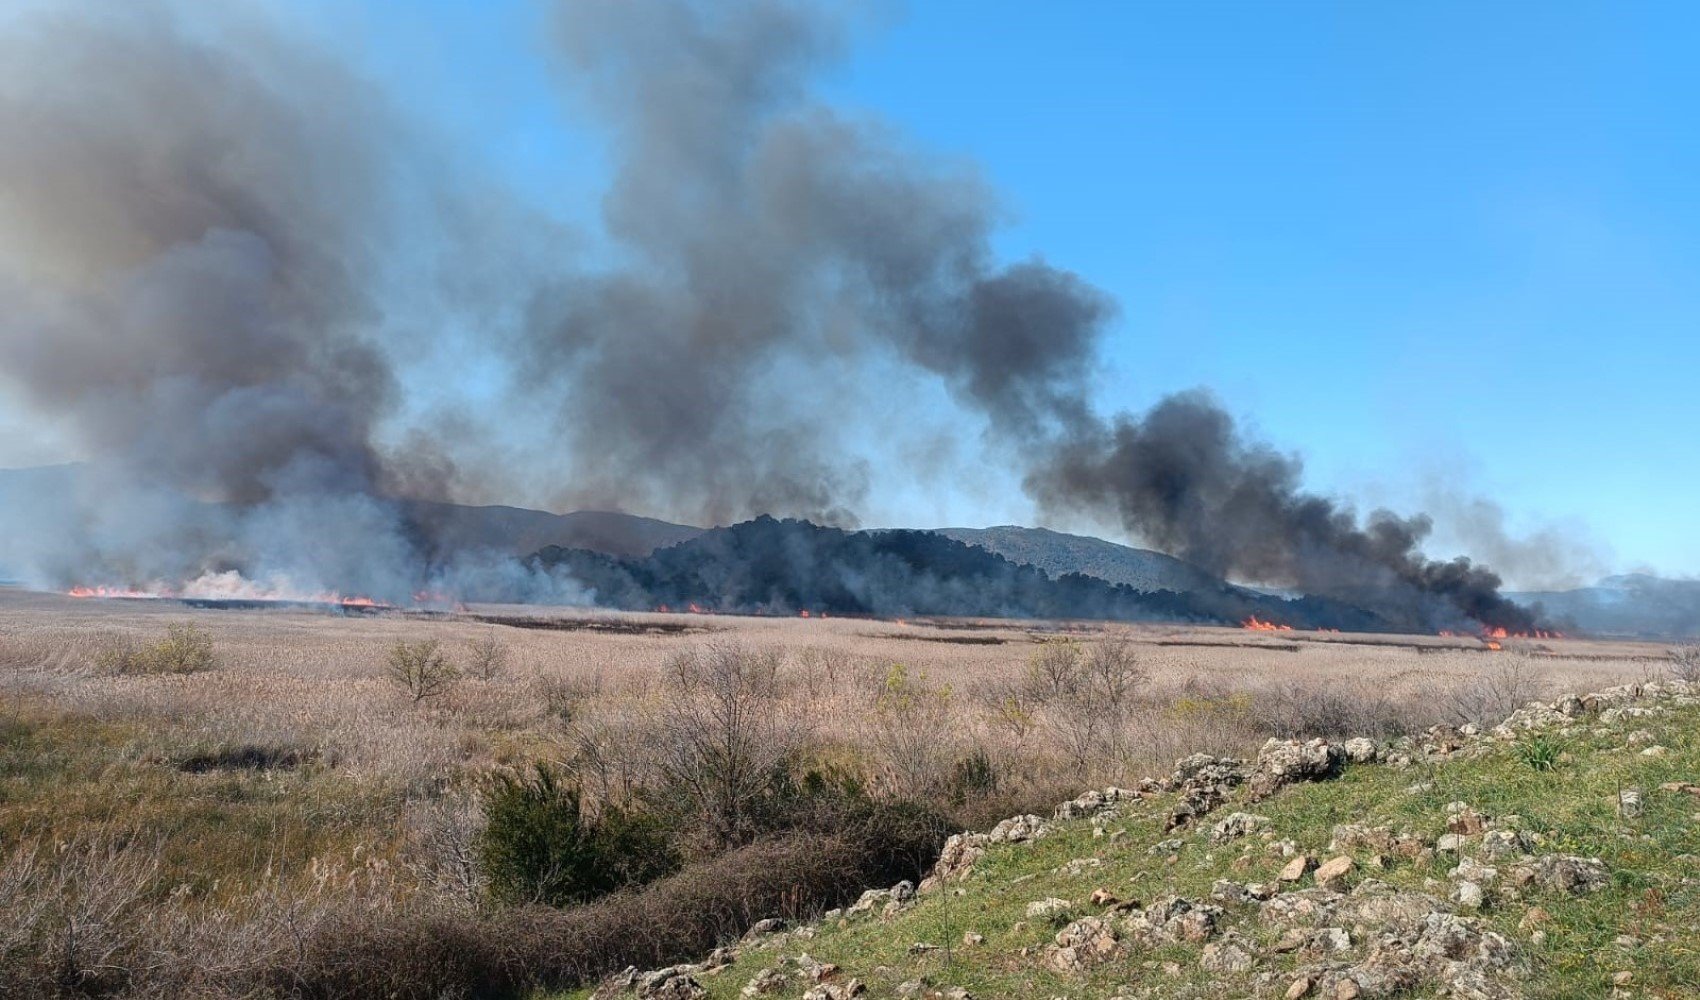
(1279, 647)
(955, 640)
(610, 626)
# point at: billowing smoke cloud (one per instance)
(1184, 478)
(191, 243)
(204, 226)
(767, 232)
(198, 219)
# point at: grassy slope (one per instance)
(1655, 893)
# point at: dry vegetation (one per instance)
(261, 803)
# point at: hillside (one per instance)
(770, 566)
(519, 531)
(1058, 553)
(1634, 604)
(1554, 857)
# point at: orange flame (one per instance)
(108, 592)
(1258, 625)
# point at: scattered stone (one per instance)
(765, 983)
(1083, 945)
(1300, 988)
(1629, 803)
(1332, 874)
(1360, 750)
(1296, 868)
(1203, 782)
(1018, 830)
(836, 991)
(1237, 825)
(1049, 908)
(669, 984)
(1229, 956)
(1102, 898)
(1468, 895)
(1283, 762)
(1465, 822)
(762, 928)
(1499, 844)
(973, 939)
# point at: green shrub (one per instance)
(539, 845)
(421, 669)
(1541, 753)
(974, 776)
(186, 649)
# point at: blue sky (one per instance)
(1438, 246)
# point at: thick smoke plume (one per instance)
(772, 240)
(206, 228)
(1183, 477)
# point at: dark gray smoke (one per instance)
(1184, 478)
(191, 242)
(771, 242)
(207, 231)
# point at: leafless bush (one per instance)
(822, 669)
(421, 669)
(910, 727)
(1511, 683)
(723, 741)
(1685, 663)
(608, 757)
(1296, 710)
(186, 648)
(1081, 697)
(487, 656)
(564, 698)
(74, 916)
(442, 850)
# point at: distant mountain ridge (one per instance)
(1634, 604)
(1059, 554)
(519, 531)
(770, 566)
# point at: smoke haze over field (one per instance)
(207, 228)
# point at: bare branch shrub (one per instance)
(911, 729)
(421, 669)
(186, 648)
(723, 743)
(564, 698)
(74, 915)
(1301, 710)
(1080, 697)
(1493, 695)
(1685, 663)
(822, 668)
(487, 656)
(442, 849)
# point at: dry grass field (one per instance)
(236, 801)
